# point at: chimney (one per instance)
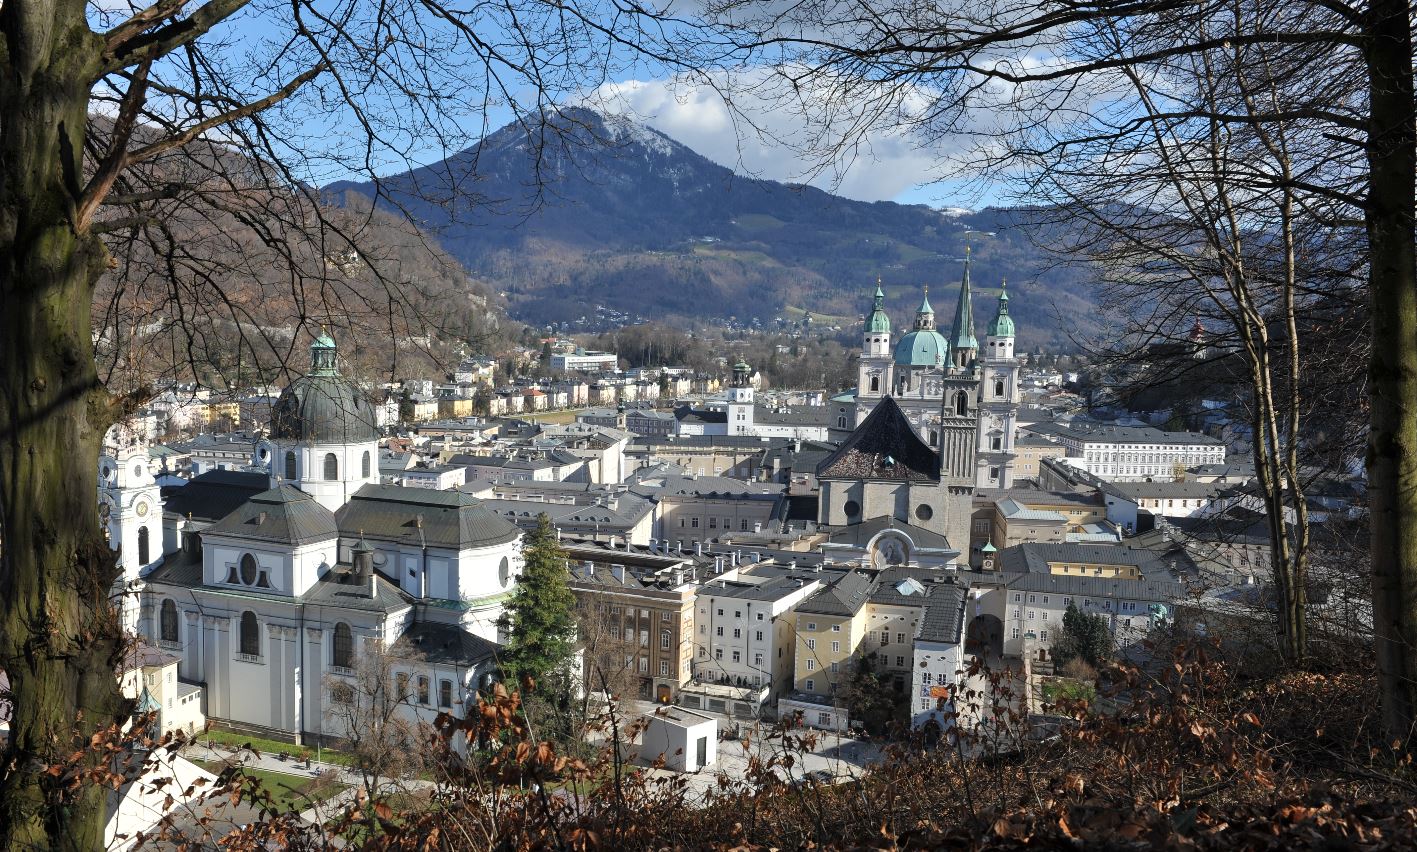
(618, 572)
(589, 568)
(698, 548)
(362, 556)
(718, 565)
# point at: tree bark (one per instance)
(1392, 439)
(60, 640)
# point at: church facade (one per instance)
(275, 587)
(961, 400)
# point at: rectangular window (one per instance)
(900, 638)
(811, 685)
(664, 639)
(811, 664)
(737, 657)
(663, 668)
(743, 525)
(885, 638)
(720, 612)
(836, 646)
(836, 628)
(737, 613)
(737, 633)
(758, 635)
(758, 659)
(718, 653)
(720, 630)
(695, 523)
(811, 625)
(1043, 634)
(811, 644)
(835, 667)
(824, 719)
(1015, 632)
(713, 523)
(760, 616)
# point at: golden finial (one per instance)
(927, 289)
(966, 248)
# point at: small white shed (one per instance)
(688, 740)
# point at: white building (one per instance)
(745, 628)
(584, 361)
(1121, 453)
(270, 596)
(685, 740)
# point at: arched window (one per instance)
(445, 693)
(401, 687)
(961, 404)
(143, 545)
(249, 569)
(331, 466)
(364, 465)
(841, 422)
(343, 647)
(342, 693)
(875, 383)
(250, 639)
(998, 387)
(422, 690)
(168, 621)
(290, 466)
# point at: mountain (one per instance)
(582, 209)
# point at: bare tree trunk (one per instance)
(60, 639)
(1392, 439)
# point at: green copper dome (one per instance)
(926, 348)
(1002, 324)
(878, 322)
(321, 407)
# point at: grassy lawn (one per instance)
(290, 792)
(234, 739)
(1059, 688)
(794, 311)
(742, 255)
(759, 222)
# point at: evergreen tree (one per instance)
(540, 618)
(1084, 636)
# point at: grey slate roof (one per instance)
(884, 446)
(449, 518)
(844, 597)
(943, 620)
(685, 414)
(215, 494)
(444, 643)
(859, 535)
(338, 588)
(283, 515)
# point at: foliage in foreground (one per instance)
(1193, 758)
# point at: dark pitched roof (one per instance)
(884, 446)
(449, 518)
(859, 535)
(443, 643)
(944, 616)
(685, 414)
(844, 597)
(284, 514)
(215, 494)
(340, 588)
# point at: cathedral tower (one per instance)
(740, 401)
(998, 401)
(963, 345)
(130, 503)
(874, 376)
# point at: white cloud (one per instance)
(763, 135)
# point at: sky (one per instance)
(890, 166)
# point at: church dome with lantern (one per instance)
(322, 407)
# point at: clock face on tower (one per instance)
(142, 510)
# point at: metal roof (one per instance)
(282, 515)
(420, 515)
